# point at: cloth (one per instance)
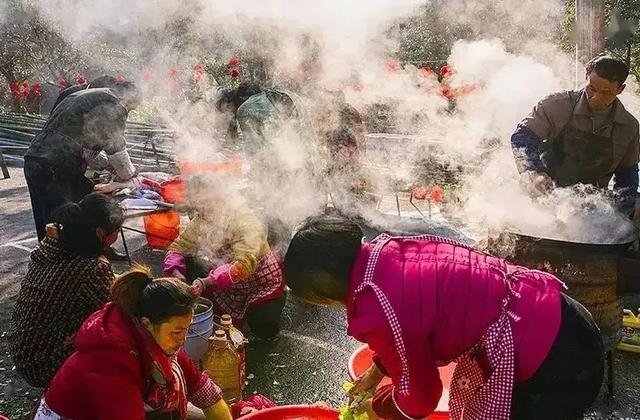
(257, 402)
(565, 385)
(434, 286)
(546, 126)
(265, 284)
(40, 335)
(50, 187)
(118, 371)
(570, 378)
(226, 236)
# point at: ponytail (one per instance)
(140, 295)
(77, 223)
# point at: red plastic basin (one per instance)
(361, 360)
(295, 412)
(174, 191)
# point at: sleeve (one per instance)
(187, 243)
(122, 165)
(110, 390)
(545, 120)
(174, 261)
(526, 145)
(248, 240)
(201, 390)
(424, 385)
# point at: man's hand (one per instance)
(109, 187)
(366, 382)
(537, 183)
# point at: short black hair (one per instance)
(610, 68)
(328, 244)
(237, 96)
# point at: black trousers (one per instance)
(570, 378)
(49, 189)
(263, 318)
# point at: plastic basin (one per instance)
(361, 360)
(162, 228)
(295, 412)
(174, 191)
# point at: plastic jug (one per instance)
(162, 228)
(238, 340)
(630, 332)
(222, 364)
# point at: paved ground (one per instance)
(306, 363)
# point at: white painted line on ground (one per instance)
(18, 246)
(22, 241)
(312, 341)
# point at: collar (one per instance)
(618, 114)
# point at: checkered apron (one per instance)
(265, 284)
(471, 397)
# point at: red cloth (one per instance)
(258, 402)
(118, 370)
(444, 296)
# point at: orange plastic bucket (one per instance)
(174, 190)
(295, 412)
(162, 228)
(362, 358)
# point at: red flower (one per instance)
(197, 68)
(419, 193)
(436, 194)
(36, 88)
(62, 84)
(15, 89)
(24, 88)
(391, 66)
(234, 61)
(427, 71)
(81, 80)
(120, 78)
(446, 70)
(234, 73)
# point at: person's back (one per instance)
(66, 281)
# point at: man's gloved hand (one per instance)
(537, 183)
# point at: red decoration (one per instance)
(197, 68)
(62, 84)
(234, 73)
(173, 73)
(15, 89)
(120, 78)
(36, 88)
(234, 61)
(436, 194)
(419, 193)
(81, 80)
(147, 75)
(24, 89)
(446, 71)
(446, 91)
(391, 66)
(427, 72)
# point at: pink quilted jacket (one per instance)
(445, 296)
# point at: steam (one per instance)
(508, 65)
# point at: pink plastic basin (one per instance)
(361, 360)
(295, 412)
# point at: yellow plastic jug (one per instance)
(630, 332)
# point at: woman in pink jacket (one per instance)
(524, 350)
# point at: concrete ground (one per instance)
(307, 363)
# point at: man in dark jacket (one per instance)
(81, 126)
(583, 136)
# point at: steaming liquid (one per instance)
(222, 364)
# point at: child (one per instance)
(524, 350)
(226, 249)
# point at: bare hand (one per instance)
(109, 187)
(537, 183)
(365, 382)
(177, 274)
